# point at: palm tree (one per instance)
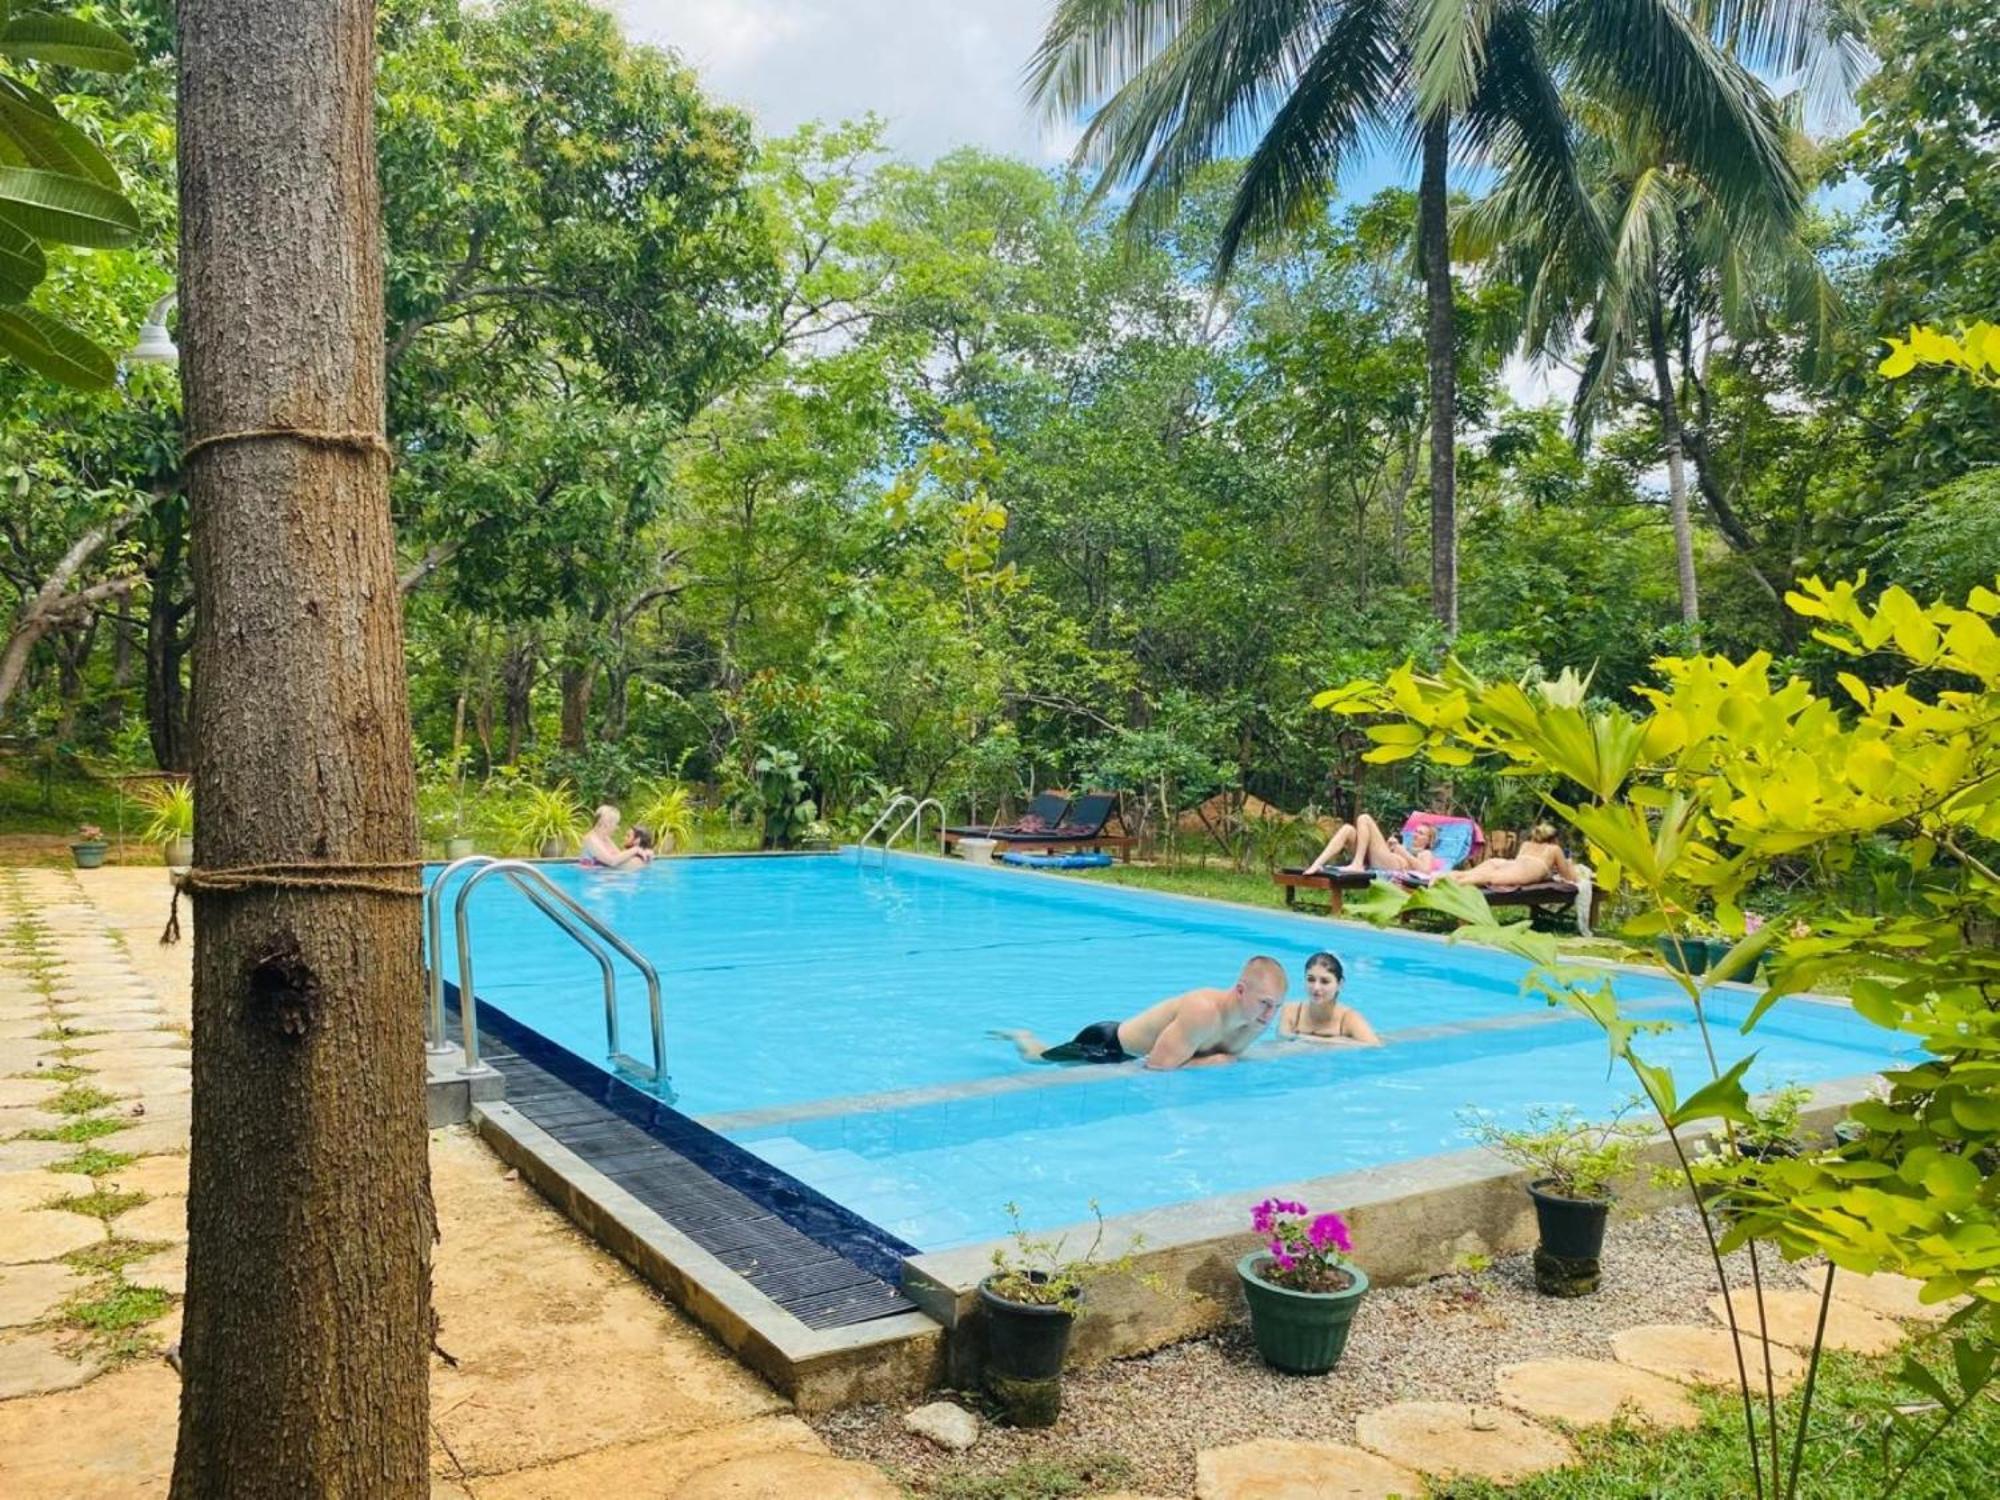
(1679, 254)
(1173, 84)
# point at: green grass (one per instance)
(1843, 1454)
(78, 1131)
(61, 1073)
(81, 1099)
(1037, 1479)
(112, 1256)
(61, 1034)
(100, 1204)
(115, 1311)
(94, 1161)
(1252, 888)
(64, 803)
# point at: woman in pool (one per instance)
(1321, 1016)
(601, 850)
(1539, 858)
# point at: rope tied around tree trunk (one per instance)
(367, 442)
(323, 876)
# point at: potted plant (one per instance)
(1571, 1164)
(547, 818)
(88, 847)
(1029, 1299)
(818, 836)
(1301, 1288)
(666, 809)
(171, 824)
(1774, 1133)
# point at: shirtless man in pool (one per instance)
(1198, 1029)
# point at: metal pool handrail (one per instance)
(887, 813)
(434, 1039)
(557, 905)
(917, 817)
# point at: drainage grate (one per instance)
(812, 1280)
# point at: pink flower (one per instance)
(1331, 1230)
(1283, 1256)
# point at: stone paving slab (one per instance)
(1791, 1316)
(1704, 1356)
(127, 1047)
(150, 1133)
(112, 1440)
(23, 1156)
(1453, 1440)
(150, 1084)
(24, 1055)
(33, 1363)
(16, 1093)
(15, 1120)
(24, 1190)
(1891, 1296)
(45, 1234)
(121, 1021)
(1595, 1393)
(559, 1350)
(665, 1462)
(162, 1219)
(157, 1175)
(1275, 1469)
(23, 1028)
(768, 1475)
(164, 1271)
(30, 1293)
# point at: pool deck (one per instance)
(573, 1380)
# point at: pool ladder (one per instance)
(588, 931)
(916, 816)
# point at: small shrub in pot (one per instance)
(1030, 1299)
(1572, 1164)
(88, 847)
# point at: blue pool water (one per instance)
(830, 1015)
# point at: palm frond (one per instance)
(1451, 54)
(1652, 61)
(1356, 77)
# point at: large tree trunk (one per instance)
(517, 684)
(1434, 246)
(1677, 495)
(307, 1323)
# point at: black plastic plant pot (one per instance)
(1572, 1228)
(1025, 1345)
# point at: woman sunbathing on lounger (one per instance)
(1539, 858)
(1374, 851)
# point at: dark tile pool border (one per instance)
(798, 1204)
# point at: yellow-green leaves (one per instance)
(1974, 353)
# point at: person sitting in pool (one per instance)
(641, 837)
(1538, 859)
(601, 849)
(1321, 1017)
(1198, 1029)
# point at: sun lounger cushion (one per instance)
(1453, 838)
(1057, 861)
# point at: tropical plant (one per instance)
(1575, 1157)
(777, 797)
(667, 809)
(1973, 353)
(1677, 255)
(56, 188)
(170, 806)
(1729, 774)
(1170, 84)
(543, 815)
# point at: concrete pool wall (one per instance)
(1412, 1220)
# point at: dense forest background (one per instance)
(797, 473)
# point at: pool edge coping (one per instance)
(818, 1369)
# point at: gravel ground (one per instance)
(1439, 1341)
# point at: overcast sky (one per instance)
(944, 73)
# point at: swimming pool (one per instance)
(830, 1015)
